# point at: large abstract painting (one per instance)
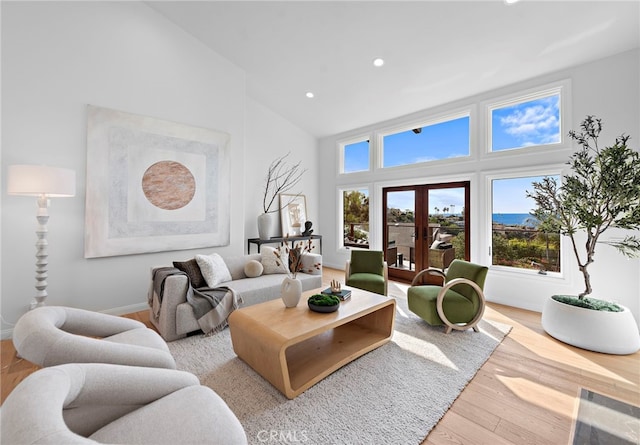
(153, 185)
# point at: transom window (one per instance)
(355, 157)
(525, 122)
(441, 140)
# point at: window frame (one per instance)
(561, 88)
(481, 166)
(467, 112)
(516, 174)
(340, 200)
(342, 144)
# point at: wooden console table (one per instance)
(280, 239)
(295, 348)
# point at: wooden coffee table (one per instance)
(294, 348)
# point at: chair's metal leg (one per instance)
(448, 329)
(475, 328)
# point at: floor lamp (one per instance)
(44, 182)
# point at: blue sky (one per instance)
(509, 195)
(401, 200)
(534, 122)
(444, 140)
(356, 157)
(441, 198)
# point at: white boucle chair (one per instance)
(55, 335)
(87, 403)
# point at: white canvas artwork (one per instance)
(293, 214)
(154, 185)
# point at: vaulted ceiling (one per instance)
(435, 52)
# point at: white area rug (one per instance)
(395, 394)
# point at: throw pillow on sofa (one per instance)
(192, 270)
(253, 268)
(213, 268)
(270, 261)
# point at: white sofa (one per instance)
(173, 316)
(90, 403)
(55, 335)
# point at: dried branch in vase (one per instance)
(281, 178)
(294, 257)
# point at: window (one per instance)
(355, 157)
(526, 122)
(442, 140)
(518, 239)
(355, 218)
(519, 138)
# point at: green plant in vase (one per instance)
(324, 300)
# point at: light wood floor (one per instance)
(526, 393)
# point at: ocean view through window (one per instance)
(440, 147)
(518, 239)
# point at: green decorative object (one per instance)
(588, 303)
(323, 303)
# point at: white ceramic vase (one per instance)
(268, 225)
(291, 291)
(600, 331)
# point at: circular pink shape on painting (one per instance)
(168, 185)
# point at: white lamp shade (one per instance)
(36, 180)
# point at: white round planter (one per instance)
(600, 331)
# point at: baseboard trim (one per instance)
(126, 309)
(6, 334)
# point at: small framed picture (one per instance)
(293, 213)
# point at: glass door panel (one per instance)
(447, 223)
(400, 229)
(425, 226)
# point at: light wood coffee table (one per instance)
(294, 348)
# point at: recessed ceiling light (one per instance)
(511, 2)
(378, 62)
(310, 95)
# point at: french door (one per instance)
(425, 226)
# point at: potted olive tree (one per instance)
(601, 192)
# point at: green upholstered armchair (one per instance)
(458, 304)
(367, 270)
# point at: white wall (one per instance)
(608, 88)
(57, 57)
(269, 136)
